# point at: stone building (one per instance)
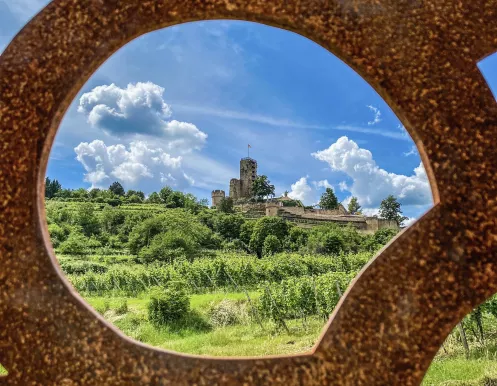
(242, 188)
(217, 196)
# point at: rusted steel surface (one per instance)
(420, 56)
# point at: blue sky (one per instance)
(179, 106)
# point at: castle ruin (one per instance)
(288, 208)
(242, 188)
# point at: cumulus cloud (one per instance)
(370, 183)
(130, 165)
(409, 221)
(302, 191)
(138, 109)
(322, 184)
(377, 115)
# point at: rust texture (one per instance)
(420, 56)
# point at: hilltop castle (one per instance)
(289, 209)
(242, 187)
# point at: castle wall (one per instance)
(235, 189)
(375, 224)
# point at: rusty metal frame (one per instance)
(420, 55)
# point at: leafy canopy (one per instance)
(354, 206)
(328, 200)
(261, 187)
(390, 210)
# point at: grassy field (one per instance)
(176, 279)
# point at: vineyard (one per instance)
(205, 282)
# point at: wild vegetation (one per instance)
(171, 272)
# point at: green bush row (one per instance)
(299, 297)
(208, 274)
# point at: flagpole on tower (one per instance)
(248, 150)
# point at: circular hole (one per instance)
(215, 186)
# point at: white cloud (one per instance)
(138, 109)
(370, 183)
(130, 165)
(409, 221)
(343, 186)
(302, 191)
(322, 184)
(413, 151)
(370, 212)
(377, 115)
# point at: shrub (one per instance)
(76, 244)
(228, 225)
(167, 247)
(264, 227)
(122, 307)
(326, 239)
(271, 245)
(81, 267)
(57, 234)
(167, 305)
(227, 313)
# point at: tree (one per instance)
(264, 227)
(164, 194)
(117, 189)
(154, 198)
(328, 200)
(354, 206)
(52, 187)
(228, 225)
(85, 217)
(326, 239)
(262, 187)
(271, 246)
(225, 205)
(138, 193)
(176, 200)
(390, 210)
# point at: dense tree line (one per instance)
(189, 232)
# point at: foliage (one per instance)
(154, 198)
(271, 245)
(328, 200)
(75, 244)
(227, 313)
(164, 194)
(52, 187)
(86, 219)
(178, 220)
(57, 234)
(228, 225)
(167, 305)
(354, 207)
(79, 267)
(326, 239)
(261, 187)
(264, 227)
(208, 274)
(303, 296)
(225, 205)
(168, 246)
(390, 210)
(246, 230)
(117, 189)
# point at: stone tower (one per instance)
(217, 196)
(242, 188)
(248, 173)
